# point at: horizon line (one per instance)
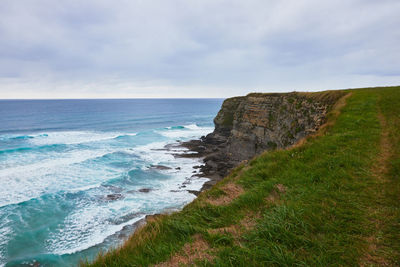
(143, 98)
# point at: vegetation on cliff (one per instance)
(330, 201)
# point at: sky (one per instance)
(195, 48)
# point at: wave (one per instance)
(22, 137)
(192, 127)
(186, 131)
(23, 177)
(40, 148)
(5, 233)
(125, 136)
(65, 137)
(175, 127)
(60, 170)
(21, 183)
(73, 137)
(62, 246)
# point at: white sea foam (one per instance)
(35, 156)
(192, 126)
(5, 232)
(87, 227)
(73, 137)
(24, 182)
(189, 131)
(89, 224)
(153, 153)
(68, 158)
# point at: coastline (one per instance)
(214, 150)
(194, 151)
(211, 154)
(198, 149)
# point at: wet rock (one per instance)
(194, 192)
(145, 190)
(112, 197)
(160, 167)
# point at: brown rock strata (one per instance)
(247, 126)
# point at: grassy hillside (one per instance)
(331, 201)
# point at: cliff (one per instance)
(330, 201)
(246, 126)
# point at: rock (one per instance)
(145, 190)
(194, 192)
(113, 197)
(160, 167)
(247, 126)
(177, 168)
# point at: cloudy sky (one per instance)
(190, 48)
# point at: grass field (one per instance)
(334, 200)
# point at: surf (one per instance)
(69, 193)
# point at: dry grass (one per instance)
(198, 250)
(275, 194)
(249, 221)
(232, 191)
(245, 224)
(237, 230)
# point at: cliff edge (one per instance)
(248, 125)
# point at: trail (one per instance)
(379, 170)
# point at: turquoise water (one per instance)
(72, 172)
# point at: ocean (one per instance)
(75, 175)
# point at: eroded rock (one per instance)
(247, 126)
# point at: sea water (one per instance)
(75, 175)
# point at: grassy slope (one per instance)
(340, 205)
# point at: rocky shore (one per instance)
(249, 125)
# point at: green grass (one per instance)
(335, 211)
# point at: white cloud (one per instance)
(64, 49)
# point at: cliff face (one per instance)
(246, 126)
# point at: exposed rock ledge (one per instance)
(248, 125)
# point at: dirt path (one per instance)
(379, 171)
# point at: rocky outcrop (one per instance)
(246, 126)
